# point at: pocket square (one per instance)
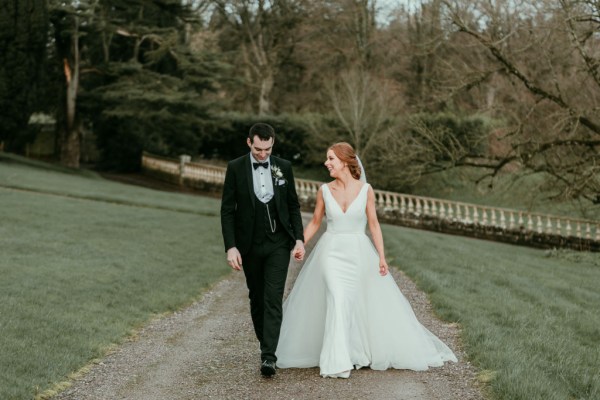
(280, 182)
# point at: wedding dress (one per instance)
(342, 314)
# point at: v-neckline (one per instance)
(351, 203)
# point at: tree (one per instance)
(67, 20)
(128, 70)
(545, 55)
(364, 106)
(152, 77)
(334, 36)
(262, 34)
(414, 48)
(23, 30)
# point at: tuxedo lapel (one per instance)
(248, 168)
(275, 186)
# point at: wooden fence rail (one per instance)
(516, 226)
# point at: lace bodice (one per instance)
(354, 220)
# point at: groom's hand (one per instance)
(234, 258)
(298, 250)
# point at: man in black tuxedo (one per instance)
(261, 223)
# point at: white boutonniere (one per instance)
(278, 175)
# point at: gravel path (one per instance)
(209, 350)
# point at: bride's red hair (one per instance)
(345, 152)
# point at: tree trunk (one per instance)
(266, 86)
(70, 149)
(70, 140)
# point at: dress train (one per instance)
(341, 314)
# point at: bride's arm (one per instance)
(315, 223)
(375, 229)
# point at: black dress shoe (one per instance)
(267, 368)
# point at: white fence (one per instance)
(403, 204)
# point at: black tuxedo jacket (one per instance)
(238, 202)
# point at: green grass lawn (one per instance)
(81, 272)
(530, 317)
(85, 261)
(21, 173)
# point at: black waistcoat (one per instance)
(266, 221)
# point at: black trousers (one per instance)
(265, 267)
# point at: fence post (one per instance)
(183, 159)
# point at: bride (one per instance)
(345, 311)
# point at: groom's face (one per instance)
(261, 149)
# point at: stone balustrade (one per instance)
(503, 224)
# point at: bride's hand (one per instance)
(298, 251)
(383, 267)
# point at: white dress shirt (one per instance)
(263, 182)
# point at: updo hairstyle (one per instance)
(345, 152)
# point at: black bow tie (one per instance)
(260, 164)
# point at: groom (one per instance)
(261, 223)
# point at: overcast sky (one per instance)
(387, 6)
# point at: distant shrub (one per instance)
(423, 143)
(468, 131)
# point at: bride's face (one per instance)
(334, 164)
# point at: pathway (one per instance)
(208, 350)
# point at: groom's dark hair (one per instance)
(262, 130)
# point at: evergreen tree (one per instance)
(23, 33)
(129, 72)
(150, 94)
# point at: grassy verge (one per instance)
(81, 272)
(20, 173)
(530, 317)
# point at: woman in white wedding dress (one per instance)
(345, 311)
